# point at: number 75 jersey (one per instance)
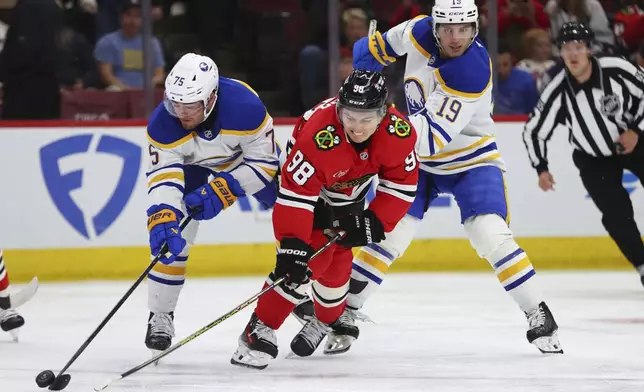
(322, 163)
(449, 100)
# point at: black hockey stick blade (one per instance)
(65, 377)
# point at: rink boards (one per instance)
(74, 200)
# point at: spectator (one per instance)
(515, 18)
(107, 14)
(3, 33)
(539, 51)
(314, 74)
(408, 9)
(516, 91)
(28, 63)
(76, 65)
(527, 14)
(589, 12)
(346, 64)
(628, 25)
(120, 54)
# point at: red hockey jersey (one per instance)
(323, 163)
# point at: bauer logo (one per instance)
(90, 179)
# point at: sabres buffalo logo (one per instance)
(398, 126)
(326, 139)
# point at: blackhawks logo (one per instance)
(398, 126)
(326, 139)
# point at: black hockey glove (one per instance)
(361, 229)
(293, 261)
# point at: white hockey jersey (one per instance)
(449, 100)
(237, 137)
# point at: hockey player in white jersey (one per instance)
(448, 87)
(211, 141)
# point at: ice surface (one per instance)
(433, 332)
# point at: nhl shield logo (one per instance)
(609, 105)
(208, 134)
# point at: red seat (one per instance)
(136, 104)
(90, 105)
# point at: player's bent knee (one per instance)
(398, 240)
(329, 297)
(488, 234)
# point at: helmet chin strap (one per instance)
(206, 111)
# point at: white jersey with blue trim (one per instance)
(449, 100)
(237, 137)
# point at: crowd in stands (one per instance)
(67, 58)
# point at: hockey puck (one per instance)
(45, 378)
(60, 382)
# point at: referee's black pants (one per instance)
(602, 177)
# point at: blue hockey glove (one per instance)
(163, 225)
(369, 53)
(209, 200)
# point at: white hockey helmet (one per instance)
(192, 79)
(454, 11)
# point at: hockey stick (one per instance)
(19, 298)
(203, 330)
(372, 27)
(46, 377)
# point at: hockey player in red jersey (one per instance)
(335, 151)
(10, 320)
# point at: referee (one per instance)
(599, 100)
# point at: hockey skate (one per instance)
(11, 321)
(542, 330)
(160, 332)
(309, 338)
(305, 311)
(257, 345)
(343, 332)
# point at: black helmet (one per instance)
(574, 31)
(363, 90)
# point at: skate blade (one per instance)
(14, 334)
(154, 354)
(250, 359)
(548, 344)
(338, 344)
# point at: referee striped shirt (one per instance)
(595, 112)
